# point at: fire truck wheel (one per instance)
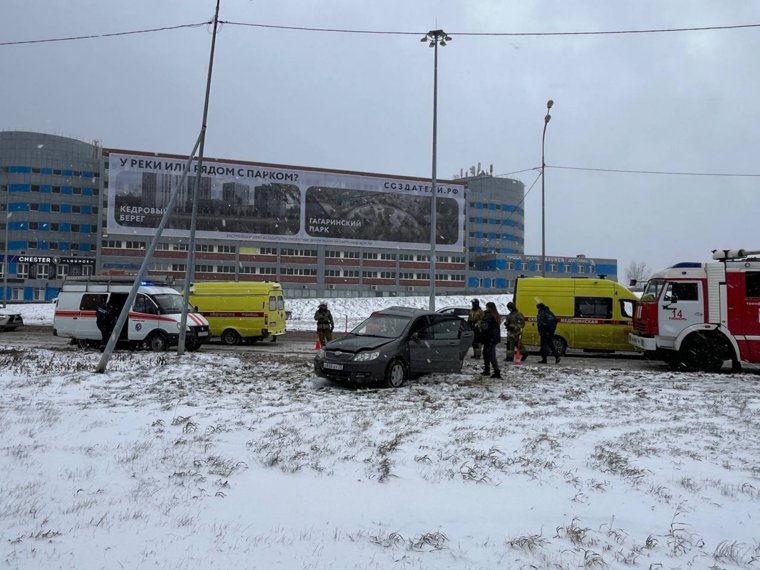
(701, 352)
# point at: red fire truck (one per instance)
(699, 315)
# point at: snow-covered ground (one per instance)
(347, 312)
(250, 461)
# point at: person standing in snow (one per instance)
(325, 324)
(491, 337)
(474, 319)
(105, 319)
(514, 322)
(547, 324)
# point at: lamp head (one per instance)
(549, 104)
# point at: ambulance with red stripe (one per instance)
(241, 311)
(593, 314)
(699, 315)
(153, 322)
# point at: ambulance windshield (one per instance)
(169, 304)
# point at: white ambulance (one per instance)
(153, 321)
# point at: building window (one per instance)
(87, 270)
(61, 271)
(43, 271)
(22, 270)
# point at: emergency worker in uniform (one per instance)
(325, 324)
(475, 319)
(514, 322)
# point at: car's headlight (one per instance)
(365, 356)
(321, 353)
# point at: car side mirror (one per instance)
(415, 337)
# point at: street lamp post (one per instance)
(433, 38)
(547, 118)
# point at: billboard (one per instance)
(255, 202)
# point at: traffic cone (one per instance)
(518, 357)
(318, 345)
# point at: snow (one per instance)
(248, 460)
(347, 313)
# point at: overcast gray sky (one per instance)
(680, 102)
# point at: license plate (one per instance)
(331, 366)
(202, 333)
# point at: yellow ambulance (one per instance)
(593, 314)
(240, 311)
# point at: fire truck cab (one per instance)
(699, 315)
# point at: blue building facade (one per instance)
(53, 192)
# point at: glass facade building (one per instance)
(54, 194)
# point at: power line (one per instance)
(663, 172)
(499, 34)
(387, 32)
(111, 35)
(623, 171)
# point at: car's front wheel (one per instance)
(395, 374)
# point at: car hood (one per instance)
(353, 343)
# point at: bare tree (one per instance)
(637, 272)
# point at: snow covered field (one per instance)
(250, 461)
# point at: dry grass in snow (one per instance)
(252, 462)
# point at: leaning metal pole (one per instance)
(145, 264)
(190, 269)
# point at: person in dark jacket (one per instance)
(491, 337)
(105, 318)
(547, 324)
(325, 323)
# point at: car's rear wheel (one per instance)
(560, 345)
(231, 337)
(395, 374)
